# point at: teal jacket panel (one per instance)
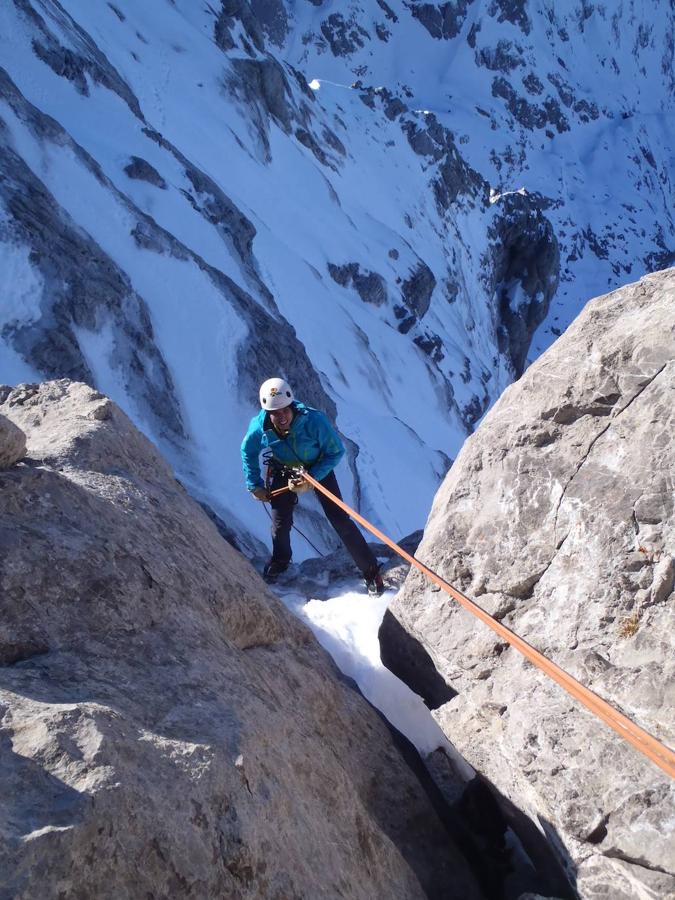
(312, 442)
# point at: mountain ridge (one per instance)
(245, 216)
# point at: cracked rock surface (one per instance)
(167, 728)
(558, 517)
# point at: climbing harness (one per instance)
(646, 743)
(269, 460)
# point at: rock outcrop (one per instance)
(12, 443)
(167, 728)
(559, 518)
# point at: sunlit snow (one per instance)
(346, 625)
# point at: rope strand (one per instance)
(642, 740)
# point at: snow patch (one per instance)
(347, 626)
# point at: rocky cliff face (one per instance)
(559, 518)
(167, 728)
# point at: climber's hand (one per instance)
(299, 485)
(260, 493)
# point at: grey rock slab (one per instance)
(167, 728)
(557, 517)
(12, 443)
(141, 170)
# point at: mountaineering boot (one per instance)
(374, 583)
(273, 569)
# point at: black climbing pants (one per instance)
(282, 522)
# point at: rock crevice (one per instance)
(598, 604)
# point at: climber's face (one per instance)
(282, 418)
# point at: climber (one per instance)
(294, 436)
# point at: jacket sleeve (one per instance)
(331, 448)
(250, 455)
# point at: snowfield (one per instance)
(250, 184)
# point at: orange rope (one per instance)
(646, 743)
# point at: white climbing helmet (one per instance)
(275, 393)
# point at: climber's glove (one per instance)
(299, 485)
(260, 493)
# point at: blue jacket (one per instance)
(312, 442)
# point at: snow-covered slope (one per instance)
(573, 101)
(181, 216)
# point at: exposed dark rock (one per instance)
(120, 15)
(663, 260)
(370, 286)
(307, 139)
(442, 20)
(218, 209)
(431, 344)
(472, 411)
(83, 288)
(454, 177)
(418, 288)
(586, 111)
(533, 85)
(343, 275)
(19, 650)
(556, 116)
(73, 66)
(407, 321)
(344, 36)
(565, 91)
(407, 659)
(528, 114)
(334, 141)
(473, 34)
(141, 170)
(451, 289)
(487, 817)
(95, 292)
(387, 10)
(301, 82)
(514, 11)
(65, 63)
(525, 264)
(420, 140)
(231, 12)
(394, 107)
(273, 19)
(216, 206)
(382, 32)
(264, 82)
(505, 57)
